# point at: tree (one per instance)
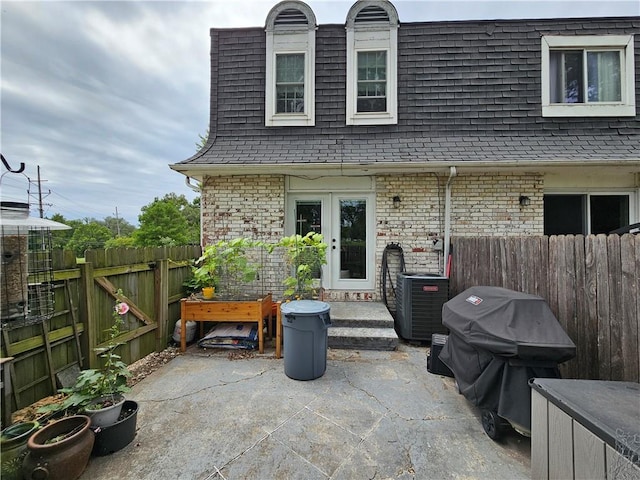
(90, 235)
(60, 238)
(118, 226)
(119, 242)
(168, 221)
(203, 141)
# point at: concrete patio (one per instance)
(373, 414)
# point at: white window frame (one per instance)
(372, 37)
(623, 43)
(291, 39)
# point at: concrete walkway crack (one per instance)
(221, 383)
(266, 436)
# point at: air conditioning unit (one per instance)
(419, 300)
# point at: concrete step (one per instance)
(361, 322)
(361, 325)
(362, 338)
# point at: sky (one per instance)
(103, 96)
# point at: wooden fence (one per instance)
(48, 354)
(591, 283)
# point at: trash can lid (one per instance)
(304, 307)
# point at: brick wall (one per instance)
(484, 204)
(415, 223)
(489, 205)
(249, 206)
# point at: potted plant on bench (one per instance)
(228, 266)
(235, 265)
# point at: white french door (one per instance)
(346, 222)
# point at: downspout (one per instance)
(447, 220)
(195, 188)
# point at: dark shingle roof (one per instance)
(467, 91)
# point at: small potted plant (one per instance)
(99, 392)
(110, 382)
(203, 279)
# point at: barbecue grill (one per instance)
(498, 340)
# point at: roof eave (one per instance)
(199, 171)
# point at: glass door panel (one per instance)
(353, 239)
(352, 242)
(346, 223)
(308, 216)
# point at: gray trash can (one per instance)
(305, 324)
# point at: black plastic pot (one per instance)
(117, 436)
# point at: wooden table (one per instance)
(200, 310)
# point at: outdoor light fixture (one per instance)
(396, 202)
(524, 201)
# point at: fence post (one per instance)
(161, 294)
(86, 312)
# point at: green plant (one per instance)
(226, 266)
(93, 383)
(305, 256)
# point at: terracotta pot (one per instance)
(14, 448)
(65, 459)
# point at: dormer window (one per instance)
(290, 74)
(372, 82)
(372, 39)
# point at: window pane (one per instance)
(290, 83)
(567, 78)
(564, 214)
(604, 76)
(372, 104)
(290, 68)
(372, 84)
(308, 217)
(372, 65)
(608, 212)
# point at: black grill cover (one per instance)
(508, 323)
(498, 340)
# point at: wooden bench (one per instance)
(200, 310)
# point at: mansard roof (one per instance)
(468, 92)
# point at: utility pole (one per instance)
(40, 194)
(117, 222)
